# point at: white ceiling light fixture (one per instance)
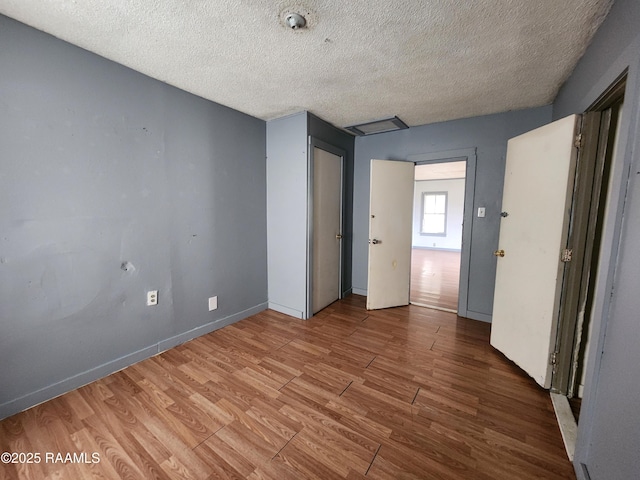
(378, 126)
(295, 21)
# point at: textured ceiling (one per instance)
(440, 171)
(425, 61)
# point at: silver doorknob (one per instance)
(339, 236)
(375, 241)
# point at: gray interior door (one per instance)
(327, 228)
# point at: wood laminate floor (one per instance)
(435, 275)
(404, 393)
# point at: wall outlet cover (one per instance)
(213, 303)
(152, 298)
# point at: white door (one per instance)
(538, 188)
(327, 228)
(390, 224)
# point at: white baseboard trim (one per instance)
(482, 317)
(83, 378)
(208, 327)
(286, 310)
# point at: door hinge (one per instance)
(579, 140)
(553, 360)
(566, 255)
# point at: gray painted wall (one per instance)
(99, 166)
(609, 432)
(489, 134)
(287, 213)
(287, 195)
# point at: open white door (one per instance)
(536, 203)
(390, 223)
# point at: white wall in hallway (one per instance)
(455, 210)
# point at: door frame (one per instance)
(313, 143)
(587, 215)
(467, 155)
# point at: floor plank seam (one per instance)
(365, 318)
(283, 447)
(345, 388)
(212, 434)
(347, 336)
(373, 459)
(291, 380)
(415, 396)
(285, 344)
(374, 357)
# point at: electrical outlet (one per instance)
(481, 212)
(152, 298)
(213, 303)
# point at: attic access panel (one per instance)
(378, 126)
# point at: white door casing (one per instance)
(536, 203)
(390, 225)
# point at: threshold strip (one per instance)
(566, 422)
(434, 307)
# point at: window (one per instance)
(434, 213)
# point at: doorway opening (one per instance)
(601, 133)
(438, 213)
(574, 339)
(391, 199)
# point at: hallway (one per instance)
(435, 275)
